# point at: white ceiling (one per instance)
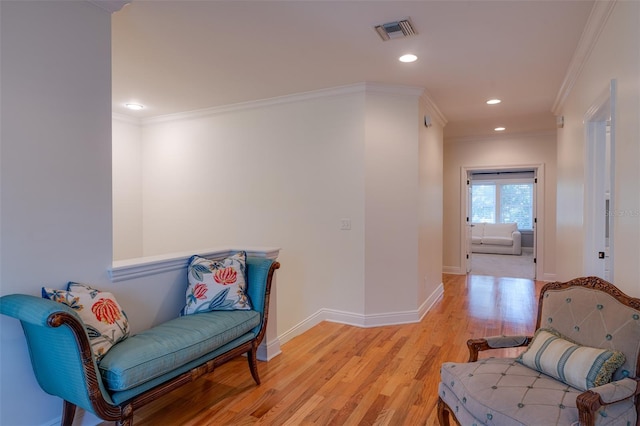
(177, 56)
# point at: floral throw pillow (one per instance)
(105, 321)
(217, 285)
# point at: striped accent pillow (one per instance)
(578, 366)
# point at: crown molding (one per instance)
(279, 100)
(390, 89)
(116, 116)
(427, 101)
(485, 138)
(297, 97)
(595, 24)
(110, 6)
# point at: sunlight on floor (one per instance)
(512, 299)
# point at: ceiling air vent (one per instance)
(397, 29)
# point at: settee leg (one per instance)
(68, 412)
(125, 422)
(253, 364)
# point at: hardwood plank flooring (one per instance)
(335, 374)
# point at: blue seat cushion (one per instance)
(501, 391)
(161, 349)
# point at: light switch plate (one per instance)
(345, 224)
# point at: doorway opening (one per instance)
(501, 220)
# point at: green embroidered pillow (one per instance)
(217, 285)
(579, 366)
(105, 321)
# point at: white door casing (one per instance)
(599, 200)
(538, 224)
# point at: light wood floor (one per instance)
(336, 374)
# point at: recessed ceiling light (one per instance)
(493, 101)
(408, 58)
(500, 129)
(135, 107)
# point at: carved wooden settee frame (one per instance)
(65, 365)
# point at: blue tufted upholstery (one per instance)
(503, 391)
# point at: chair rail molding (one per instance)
(132, 269)
(122, 270)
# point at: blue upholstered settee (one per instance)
(144, 366)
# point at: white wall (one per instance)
(500, 151)
(127, 188)
(430, 201)
(55, 171)
(391, 203)
(403, 213)
(282, 174)
(616, 55)
(285, 173)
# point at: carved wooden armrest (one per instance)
(589, 402)
(495, 342)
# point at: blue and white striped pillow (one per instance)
(579, 366)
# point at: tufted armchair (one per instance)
(582, 367)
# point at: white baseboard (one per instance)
(268, 350)
(548, 277)
(363, 321)
(454, 270)
(431, 300)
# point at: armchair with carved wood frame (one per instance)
(586, 311)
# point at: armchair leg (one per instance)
(68, 412)
(443, 414)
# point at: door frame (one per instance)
(539, 222)
(596, 118)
